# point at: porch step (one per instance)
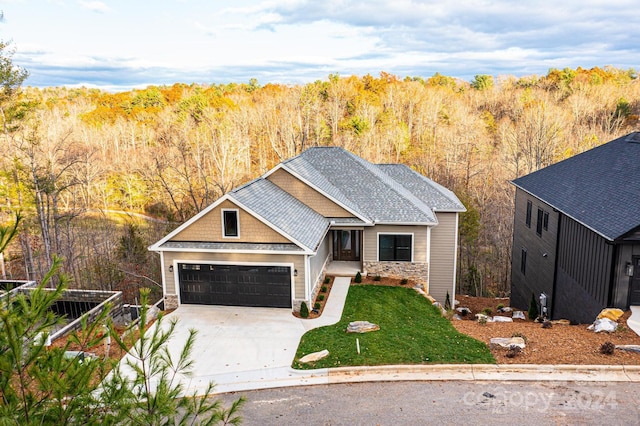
(634, 320)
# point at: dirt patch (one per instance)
(560, 344)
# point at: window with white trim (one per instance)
(395, 247)
(230, 224)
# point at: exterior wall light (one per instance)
(170, 268)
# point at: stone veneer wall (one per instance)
(417, 271)
(171, 301)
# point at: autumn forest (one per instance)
(98, 176)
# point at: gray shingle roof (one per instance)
(599, 188)
(283, 211)
(360, 186)
(430, 192)
(201, 245)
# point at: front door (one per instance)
(634, 298)
(346, 245)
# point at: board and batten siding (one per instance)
(307, 194)
(443, 253)
(208, 228)
(298, 263)
(370, 243)
(540, 249)
(621, 281)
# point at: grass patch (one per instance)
(412, 331)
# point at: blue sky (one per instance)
(118, 44)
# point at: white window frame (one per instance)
(237, 212)
(413, 240)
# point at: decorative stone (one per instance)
(362, 327)
(518, 315)
(612, 313)
(561, 322)
(483, 317)
(505, 309)
(316, 356)
(603, 324)
(506, 342)
(498, 318)
(463, 310)
(457, 317)
(630, 348)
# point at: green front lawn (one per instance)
(412, 331)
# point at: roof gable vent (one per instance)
(633, 137)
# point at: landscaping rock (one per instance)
(506, 342)
(630, 348)
(518, 315)
(457, 317)
(498, 318)
(505, 309)
(613, 314)
(316, 356)
(362, 327)
(603, 324)
(561, 322)
(483, 317)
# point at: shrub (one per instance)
(482, 320)
(316, 305)
(327, 280)
(377, 278)
(323, 289)
(500, 306)
(404, 281)
(321, 297)
(304, 310)
(513, 351)
(487, 311)
(447, 302)
(607, 348)
(358, 278)
(533, 308)
(547, 324)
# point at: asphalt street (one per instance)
(444, 403)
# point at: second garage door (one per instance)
(235, 285)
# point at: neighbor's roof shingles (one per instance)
(599, 188)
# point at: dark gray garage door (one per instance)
(235, 285)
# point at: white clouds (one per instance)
(94, 6)
(132, 43)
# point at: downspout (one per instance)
(429, 260)
(455, 258)
(555, 269)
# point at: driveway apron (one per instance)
(236, 346)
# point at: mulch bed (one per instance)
(560, 344)
(315, 313)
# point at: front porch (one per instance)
(339, 268)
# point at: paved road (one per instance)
(445, 403)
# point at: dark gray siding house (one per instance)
(576, 235)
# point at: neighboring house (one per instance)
(576, 235)
(268, 242)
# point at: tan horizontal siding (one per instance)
(370, 251)
(307, 194)
(209, 228)
(443, 255)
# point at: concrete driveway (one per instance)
(240, 345)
